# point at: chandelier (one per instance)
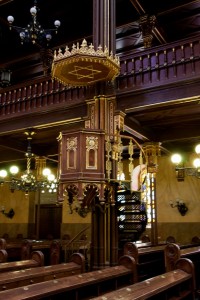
(84, 65)
(34, 32)
(182, 170)
(28, 181)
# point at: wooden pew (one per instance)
(150, 260)
(78, 286)
(195, 240)
(12, 248)
(177, 284)
(3, 256)
(172, 252)
(36, 260)
(23, 277)
(2, 244)
(17, 249)
(22, 249)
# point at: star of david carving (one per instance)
(84, 72)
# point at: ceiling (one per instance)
(175, 20)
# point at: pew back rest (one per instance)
(170, 239)
(78, 259)
(3, 256)
(26, 249)
(145, 239)
(55, 248)
(71, 286)
(23, 277)
(176, 284)
(37, 256)
(195, 240)
(171, 254)
(131, 249)
(188, 267)
(36, 260)
(2, 243)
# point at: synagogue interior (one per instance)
(100, 138)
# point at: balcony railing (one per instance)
(154, 67)
(160, 66)
(48, 94)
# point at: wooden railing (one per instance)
(154, 67)
(76, 244)
(162, 65)
(42, 95)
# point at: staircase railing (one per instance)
(76, 245)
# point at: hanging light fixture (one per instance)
(34, 32)
(5, 76)
(182, 170)
(28, 181)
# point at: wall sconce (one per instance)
(181, 170)
(9, 214)
(182, 208)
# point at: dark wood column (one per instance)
(94, 242)
(113, 236)
(102, 241)
(104, 24)
(104, 35)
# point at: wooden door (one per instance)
(50, 219)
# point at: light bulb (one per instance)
(196, 162)
(14, 170)
(10, 19)
(33, 11)
(197, 149)
(48, 36)
(176, 158)
(57, 23)
(46, 172)
(22, 35)
(3, 173)
(51, 177)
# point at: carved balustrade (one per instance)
(45, 95)
(162, 65)
(150, 68)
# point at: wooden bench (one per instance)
(78, 286)
(23, 277)
(172, 252)
(21, 250)
(3, 256)
(36, 260)
(12, 248)
(195, 240)
(173, 285)
(150, 260)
